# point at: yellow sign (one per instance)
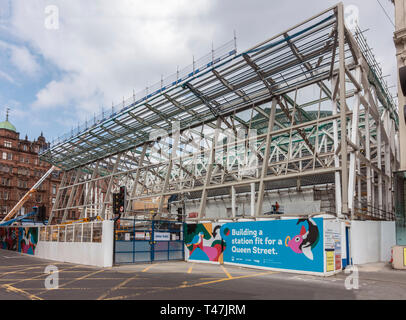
(404, 257)
(330, 262)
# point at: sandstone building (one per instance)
(20, 169)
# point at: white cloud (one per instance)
(105, 49)
(7, 77)
(24, 61)
(21, 58)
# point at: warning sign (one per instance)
(404, 257)
(338, 261)
(330, 260)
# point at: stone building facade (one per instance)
(20, 169)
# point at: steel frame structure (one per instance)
(298, 109)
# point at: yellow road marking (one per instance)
(190, 269)
(232, 278)
(81, 278)
(38, 279)
(147, 268)
(226, 272)
(24, 265)
(81, 288)
(195, 285)
(10, 286)
(40, 275)
(18, 271)
(74, 280)
(25, 293)
(121, 284)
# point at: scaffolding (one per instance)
(300, 109)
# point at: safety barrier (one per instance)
(85, 243)
(300, 245)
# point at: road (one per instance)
(23, 277)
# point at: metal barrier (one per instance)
(148, 241)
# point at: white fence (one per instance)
(83, 232)
(371, 241)
(86, 243)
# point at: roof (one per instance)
(8, 126)
(275, 67)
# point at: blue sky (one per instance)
(102, 50)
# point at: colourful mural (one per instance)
(20, 239)
(9, 238)
(306, 240)
(28, 239)
(204, 242)
(293, 244)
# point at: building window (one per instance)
(5, 169)
(9, 156)
(53, 200)
(5, 195)
(53, 189)
(23, 171)
(38, 198)
(4, 155)
(8, 144)
(24, 147)
(22, 184)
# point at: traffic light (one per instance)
(42, 213)
(119, 201)
(116, 203)
(122, 198)
(180, 214)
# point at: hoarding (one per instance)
(294, 244)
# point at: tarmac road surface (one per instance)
(23, 277)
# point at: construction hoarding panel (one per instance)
(332, 245)
(203, 242)
(19, 239)
(294, 244)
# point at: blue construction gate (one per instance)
(147, 241)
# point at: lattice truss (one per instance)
(298, 108)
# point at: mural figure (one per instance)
(198, 239)
(8, 238)
(306, 240)
(19, 239)
(28, 240)
(203, 242)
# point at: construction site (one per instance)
(297, 131)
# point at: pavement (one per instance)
(24, 277)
